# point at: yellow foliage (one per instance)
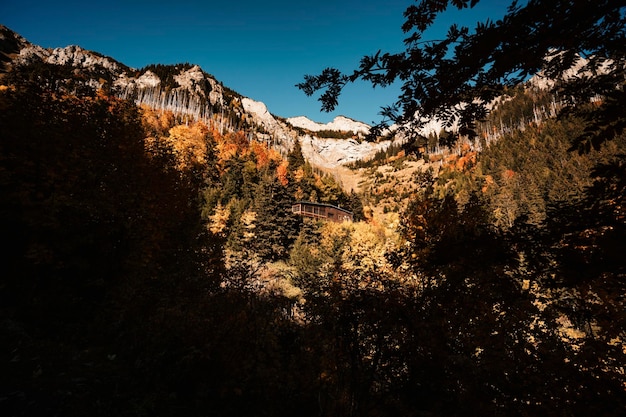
(366, 250)
(219, 220)
(361, 246)
(248, 219)
(489, 181)
(153, 121)
(167, 120)
(189, 144)
(226, 151)
(274, 155)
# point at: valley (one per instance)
(154, 264)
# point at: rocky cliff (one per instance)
(188, 91)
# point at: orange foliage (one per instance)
(281, 173)
(488, 183)
(261, 152)
(508, 174)
(231, 144)
(451, 159)
(466, 161)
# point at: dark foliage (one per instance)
(100, 239)
(110, 303)
(475, 66)
(276, 227)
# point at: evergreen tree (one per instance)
(294, 157)
(355, 205)
(277, 227)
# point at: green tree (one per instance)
(355, 205)
(276, 227)
(294, 157)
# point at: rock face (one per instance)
(78, 57)
(331, 153)
(340, 123)
(193, 93)
(260, 113)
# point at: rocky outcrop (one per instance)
(340, 123)
(331, 153)
(193, 93)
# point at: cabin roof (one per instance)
(311, 203)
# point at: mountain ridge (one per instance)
(339, 123)
(190, 92)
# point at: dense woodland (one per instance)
(152, 267)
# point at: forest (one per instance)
(153, 266)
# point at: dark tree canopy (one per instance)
(455, 78)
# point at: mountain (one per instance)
(340, 123)
(190, 92)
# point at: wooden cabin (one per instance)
(321, 211)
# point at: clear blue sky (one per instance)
(261, 49)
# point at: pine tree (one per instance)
(276, 228)
(294, 157)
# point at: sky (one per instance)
(259, 48)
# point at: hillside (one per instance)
(189, 92)
(153, 265)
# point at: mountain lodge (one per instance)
(321, 211)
